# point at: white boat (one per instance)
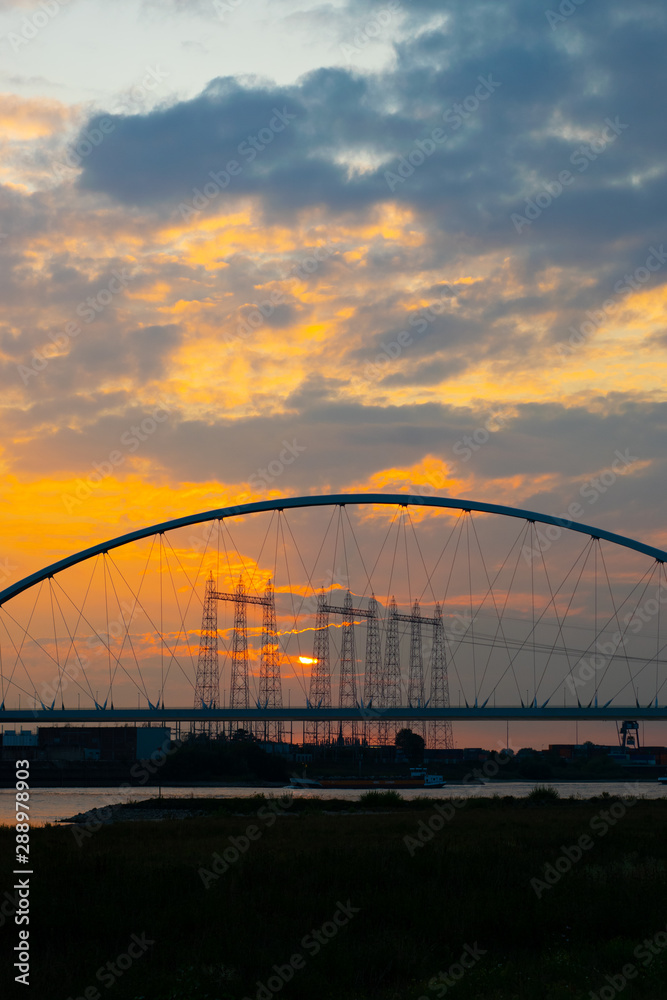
(418, 779)
(434, 781)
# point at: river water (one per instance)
(47, 805)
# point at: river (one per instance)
(47, 805)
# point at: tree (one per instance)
(243, 736)
(411, 744)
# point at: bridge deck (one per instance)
(304, 714)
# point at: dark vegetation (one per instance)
(240, 758)
(469, 884)
(411, 744)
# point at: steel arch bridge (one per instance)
(405, 609)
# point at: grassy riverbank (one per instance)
(409, 907)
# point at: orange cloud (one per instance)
(33, 117)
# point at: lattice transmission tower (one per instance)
(439, 732)
(347, 693)
(440, 736)
(207, 686)
(208, 667)
(347, 696)
(416, 697)
(320, 677)
(270, 687)
(373, 672)
(391, 674)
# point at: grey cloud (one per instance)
(499, 157)
(346, 440)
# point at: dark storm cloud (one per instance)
(557, 87)
(488, 159)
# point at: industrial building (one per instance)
(630, 756)
(80, 743)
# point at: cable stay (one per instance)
(353, 605)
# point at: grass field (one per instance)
(459, 885)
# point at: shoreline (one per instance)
(55, 786)
(451, 782)
(373, 802)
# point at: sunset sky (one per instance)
(361, 232)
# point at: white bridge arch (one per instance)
(541, 618)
